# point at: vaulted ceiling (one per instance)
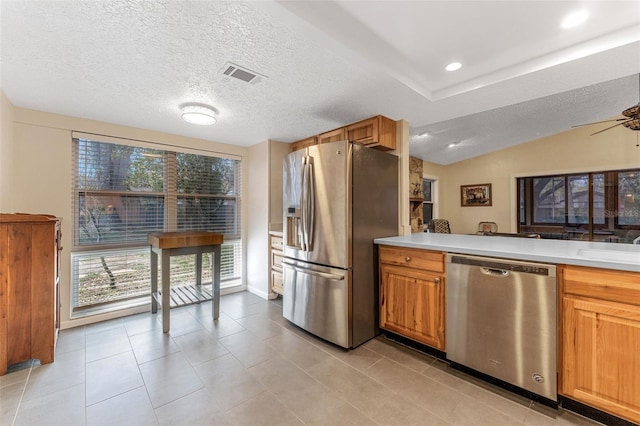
(324, 64)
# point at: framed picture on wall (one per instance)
(475, 195)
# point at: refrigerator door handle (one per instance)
(303, 205)
(308, 204)
(311, 205)
(334, 277)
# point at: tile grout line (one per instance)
(24, 389)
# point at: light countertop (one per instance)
(625, 257)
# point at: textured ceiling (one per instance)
(326, 64)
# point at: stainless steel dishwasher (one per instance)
(501, 320)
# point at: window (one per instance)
(548, 196)
(598, 206)
(123, 192)
(628, 198)
(428, 189)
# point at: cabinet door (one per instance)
(376, 131)
(601, 361)
(365, 131)
(303, 143)
(412, 304)
(332, 136)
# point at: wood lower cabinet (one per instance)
(412, 294)
(275, 254)
(601, 339)
(29, 288)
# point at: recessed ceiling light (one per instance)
(574, 19)
(453, 66)
(453, 144)
(425, 133)
(198, 114)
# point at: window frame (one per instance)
(169, 196)
(525, 193)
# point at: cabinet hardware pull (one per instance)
(407, 259)
(436, 280)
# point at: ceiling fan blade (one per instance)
(611, 127)
(598, 122)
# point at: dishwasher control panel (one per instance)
(507, 265)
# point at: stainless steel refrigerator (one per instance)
(338, 197)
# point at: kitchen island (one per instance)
(598, 309)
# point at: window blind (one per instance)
(122, 192)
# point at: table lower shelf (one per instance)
(186, 295)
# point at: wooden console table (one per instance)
(167, 244)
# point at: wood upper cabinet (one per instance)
(600, 355)
(332, 136)
(29, 288)
(303, 143)
(376, 131)
(412, 294)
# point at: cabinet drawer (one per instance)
(415, 258)
(276, 243)
(276, 260)
(604, 284)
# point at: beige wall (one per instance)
(6, 154)
(571, 151)
(257, 209)
(402, 151)
(264, 210)
(277, 152)
(41, 175)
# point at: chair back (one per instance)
(439, 226)
(487, 227)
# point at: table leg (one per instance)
(166, 289)
(199, 268)
(154, 281)
(215, 288)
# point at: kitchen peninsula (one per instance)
(624, 257)
(598, 307)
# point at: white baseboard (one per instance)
(260, 293)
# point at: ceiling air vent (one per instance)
(241, 73)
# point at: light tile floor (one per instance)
(251, 367)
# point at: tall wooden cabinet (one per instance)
(29, 288)
(601, 339)
(412, 294)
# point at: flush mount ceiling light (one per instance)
(198, 114)
(574, 19)
(453, 66)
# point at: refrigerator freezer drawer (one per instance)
(317, 300)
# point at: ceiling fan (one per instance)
(630, 119)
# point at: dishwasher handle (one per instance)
(502, 273)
